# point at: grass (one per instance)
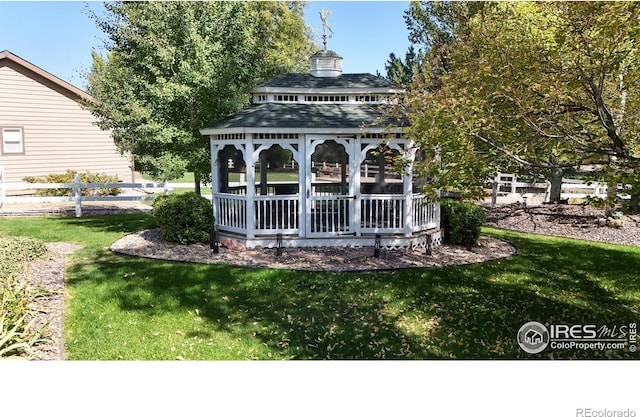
(233, 177)
(135, 309)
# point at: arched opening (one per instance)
(277, 188)
(330, 169)
(329, 206)
(232, 171)
(277, 172)
(380, 171)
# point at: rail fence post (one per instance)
(166, 188)
(494, 193)
(547, 192)
(77, 194)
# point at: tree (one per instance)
(401, 72)
(171, 68)
(537, 86)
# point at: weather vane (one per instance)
(323, 16)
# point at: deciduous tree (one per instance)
(539, 86)
(173, 67)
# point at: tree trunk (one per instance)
(556, 185)
(634, 203)
(612, 195)
(197, 178)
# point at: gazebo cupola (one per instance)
(311, 163)
(326, 64)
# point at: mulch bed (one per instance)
(573, 221)
(148, 243)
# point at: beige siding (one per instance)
(59, 135)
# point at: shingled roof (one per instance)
(303, 116)
(343, 82)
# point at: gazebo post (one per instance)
(251, 187)
(407, 187)
(215, 181)
(355, 160)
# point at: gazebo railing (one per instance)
(426, 213)
(382, 213)
(330, 214)
(231, 212)
(277, 214)
(273, 214)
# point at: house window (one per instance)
(12, 141)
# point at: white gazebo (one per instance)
(309, 163)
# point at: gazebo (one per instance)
(311, 163)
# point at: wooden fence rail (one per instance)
(77, 186)
(571, 188)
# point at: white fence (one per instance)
(508, 184)
(147, 192)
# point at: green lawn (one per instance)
(233, 177)
(122, 307)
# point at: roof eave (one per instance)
(335, 90)
(303, 131)
(46, 75)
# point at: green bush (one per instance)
(18, 334)
(68, 177)
(184, 218)
(15, 251)
(459, 216)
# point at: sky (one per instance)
(58, 36)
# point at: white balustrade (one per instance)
(382, 213)
(277, 214)
(231, 212)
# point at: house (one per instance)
(533, 337)
(343, 189)
(44, 129)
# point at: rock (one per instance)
(233, 245)
(617, 223)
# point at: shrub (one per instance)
(68, 177)
(15, 251)
(459, 216)
(18, 333)
(184, 218)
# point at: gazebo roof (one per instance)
(306, 116)
(346, 82)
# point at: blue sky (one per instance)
(58, 36)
